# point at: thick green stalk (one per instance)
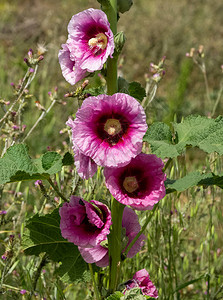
(114, 238)
(115, 244)
(112, 83)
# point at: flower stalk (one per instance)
(116, 207)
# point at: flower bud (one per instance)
(124, 5)
(119, 42)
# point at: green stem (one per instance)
(97, 295)
(115, 244)
(141, 231)
(112, 83)
(57, 190)
(114, 238)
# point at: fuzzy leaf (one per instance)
(133, 294)
(115, 296)
(68, 159)
(16, 165)
(195, 131)
(193, 179)
(43, 234)
(136, 90)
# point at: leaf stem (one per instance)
(141, 231)
(97, 295)
(57, 190)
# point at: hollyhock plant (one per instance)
(85, 166)
(131, 228)
(109, 129)
(140, 184)
(141, 279)
(90, 39)
(83, 223)
(70, 70)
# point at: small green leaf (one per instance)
(43, 234)
(95, 91)
(136, 90)
(123, 85)
(133, 294)
(16, 165)
(183, 285)
(115, 296)
(68, 159)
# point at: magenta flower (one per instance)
(85, 166)
(141, 279)
(83, 223)
(99, 254)
(140, 184)
(109, 129)
(90, 39)
(70, 70)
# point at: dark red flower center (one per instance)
(111, 128)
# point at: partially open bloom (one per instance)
(83, 223)
(85, 166)
(141, 279)
(109, 129)
(70, 70)
(90, 38)
(131, 227)
(140, 184)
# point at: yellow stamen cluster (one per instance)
(112, 127)
(100, 41)
(130, 184)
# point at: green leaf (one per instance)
(183, 285)
(193, 179)
(123, 85)
(16, 165)
(68, 159)
(133, 294)
(133, 89)
(195, 131)
(115, 296)
(95, 91)
(160, 138)
(136, 90)
(43, 234)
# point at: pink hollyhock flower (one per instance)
(131, 226)
(141, 279)
(140, 184)
(83, 223)
(109, 129)
(90, 39)
(70, 70)
(85, 166)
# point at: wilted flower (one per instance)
(90, 39)
(109, 129)
(70, 70)
(83, 223)
(85, 166)
(141, 279)
(140, 184)
(131, 228)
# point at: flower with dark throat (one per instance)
(109, 129)
(130, 228)
(83, 223)
(141, 279)
(90, 39)
(140, 184)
